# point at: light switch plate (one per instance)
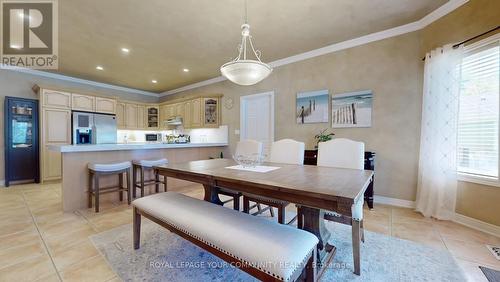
(236, 132)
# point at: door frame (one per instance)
(243, 100)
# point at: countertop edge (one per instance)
(127, 147)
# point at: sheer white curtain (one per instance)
(437, 181)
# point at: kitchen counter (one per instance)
(128, 146)
(76, 158)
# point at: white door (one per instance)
(257, 118)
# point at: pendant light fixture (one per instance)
(242, 70)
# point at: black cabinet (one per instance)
(22, 155)
(311, 158)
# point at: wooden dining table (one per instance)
(315, 189)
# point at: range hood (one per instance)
(174, 121)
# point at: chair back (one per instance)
(341, 153)
(249, 147)
(287, 151)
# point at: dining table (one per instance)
(315, 189)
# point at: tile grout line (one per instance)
(41, 237)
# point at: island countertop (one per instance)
(127, 146)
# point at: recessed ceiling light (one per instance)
(154, 81)
(99, 68)
(125, 50)
(185, 70)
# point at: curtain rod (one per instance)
(472, 38)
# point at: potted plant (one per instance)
(323, 136)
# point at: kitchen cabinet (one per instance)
(152, 117)
(131, 112)
(179, 110)
(141, 116)
(186, 122)
(211, 112)
(82, 103)
(56, 99)
(195, 114)
(166, 111)
(105, 105)
(56, 130)
(120, 115)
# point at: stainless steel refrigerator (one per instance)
(92, 128)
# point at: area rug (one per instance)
(164, 256)
(491, 274)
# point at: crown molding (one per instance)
(388, 33)
(79, 80)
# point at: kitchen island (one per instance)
(75, 159)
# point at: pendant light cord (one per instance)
(246, 12)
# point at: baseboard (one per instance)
(477, 224)
(393, 202)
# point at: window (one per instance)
(478, 120)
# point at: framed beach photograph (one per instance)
(312, 107)
(353, 109)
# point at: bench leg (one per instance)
(137, 229)
(281, 214)
(356, 246)
(311, 268)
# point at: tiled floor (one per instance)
(38, 242)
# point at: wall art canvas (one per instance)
(352, 109)
(312, 107)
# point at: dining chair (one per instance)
(244, 147)
(346, 153)
(285, 151)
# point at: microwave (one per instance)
(153, 137)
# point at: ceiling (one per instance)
(164, 37)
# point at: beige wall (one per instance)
(19, 85)
(475, 17)
(390, 68)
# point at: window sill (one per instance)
(483, 180)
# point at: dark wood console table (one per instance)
(311, 158)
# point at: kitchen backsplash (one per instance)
(198, 135)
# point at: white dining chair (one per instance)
(346, 153)
(248, 148)
(287, 151)
(284, 151)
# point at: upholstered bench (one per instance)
(266, 250)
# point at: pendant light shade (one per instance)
(245, 71)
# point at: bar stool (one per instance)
(96, 170)
(145, 165)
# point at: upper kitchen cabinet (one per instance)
(141, 116)
(105, 105)
(120, 115)
(131, 112)
(195, 113)
(152, 117)
(83, 102)
(166, 111)
(56, 99)
(211, 111)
